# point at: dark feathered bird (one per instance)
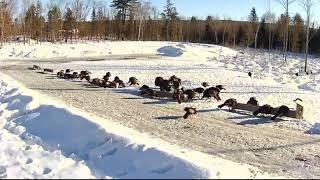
(205, 84)
(75, 75)
(189, 111)
(253, 101)
(144, 87)
(265, 109)
(282, 111)
(107, 76)
(249, 74)
(48, 70)
(149, 92)
(165, 86)
(175, 82)
(68, 70)
(220, 87)
(158, 81)
(211, 93)
(116, 79)
(60, 74)
(298, 99)
(190, 93)
(178, 95)
(133, 81)
(199, 90)
(230, 103)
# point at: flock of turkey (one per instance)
(173, 84)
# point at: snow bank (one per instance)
(106, 48)
(99, 146)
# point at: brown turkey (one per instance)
(189, 111)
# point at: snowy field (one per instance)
(51, 140)
(26, 125)
(194, 64)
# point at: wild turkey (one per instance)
(75, 75)
(190, 93)
(60, 74)
(68, 70)
(97, 82)
(84, 74)
(35, 67)
(176, 82)
(48, 70)
(165, 85)
(249, 74)
(205, 84)
(211, 93)
(282, 111)
(189, 111)
(158, 81)
(178, 95)
(265, 109)
(144, 87)
(230, 103)
(149, 92)
(133, 81)
(67, 76)
(199, 90)
(120, 82)
(220, 87)
(87, 78)
(253, 101)
(107, 76)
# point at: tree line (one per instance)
(81, 20)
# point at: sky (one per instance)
(234, 9)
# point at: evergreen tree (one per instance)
(123, 7)
(93, 23)
(169, 15)
(253, 17)
(297, 33)
(54, 21)
(69, 23)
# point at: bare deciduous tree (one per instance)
(308, 7)
(285, 4)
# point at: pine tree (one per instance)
(169, 15)
(94, 23)
(123, 7)
(297, 33)
(253, 17)
(54, 22)
(69, 23)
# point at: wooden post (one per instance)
(299, 111)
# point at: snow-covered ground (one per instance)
(195, 63)
(131, 155)
(43, 138)
(92, 49)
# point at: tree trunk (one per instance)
(307, 46)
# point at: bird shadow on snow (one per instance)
(169, 118)
(105, 154)
(248, 119)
